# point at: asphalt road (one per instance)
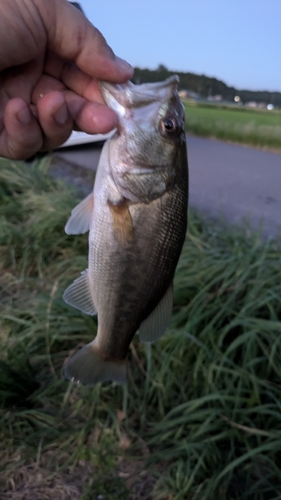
(234, 181)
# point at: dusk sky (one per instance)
(238, 41)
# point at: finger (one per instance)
(73, 37)
(20, 80)
(22, 136)
(91, 117)
(55, 120)
(73, 79)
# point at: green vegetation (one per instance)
(200, 416)
(206, 86)
(254, 127)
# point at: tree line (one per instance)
(206, 86)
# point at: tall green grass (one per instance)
(254, 127)
(200, 416)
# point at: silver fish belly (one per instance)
(137, 218)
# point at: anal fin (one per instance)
(80, 219)
(155, 325)
(79, 295)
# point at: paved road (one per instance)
(236, 181)
(225, 179)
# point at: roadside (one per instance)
(241, 125)
(267, 149)
(226, 180)
(64, 441)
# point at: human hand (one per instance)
(51, 59)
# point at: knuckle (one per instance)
(24, 147)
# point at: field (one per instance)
(200, 417)
(260, 128)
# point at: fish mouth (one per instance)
(129, 168)
(142, 169)
(120, 97)
(138, 168)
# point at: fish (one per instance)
(137, 220)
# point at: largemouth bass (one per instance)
(136, 218)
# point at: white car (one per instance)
(77, 138)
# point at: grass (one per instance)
(260, 128)
(200, 417)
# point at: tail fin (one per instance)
(87, 366)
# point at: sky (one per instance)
(237, 41)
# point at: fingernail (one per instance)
(61, 115)
(124, 65)
(24, 116)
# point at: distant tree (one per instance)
(205, 85)
(162, 69)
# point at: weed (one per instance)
(255, 127)
(200, 416)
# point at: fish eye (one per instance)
(169, 127)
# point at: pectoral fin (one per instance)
(122, 222)
(80, 219)
(155, 325)
(79, 295)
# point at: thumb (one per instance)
(73, 37)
